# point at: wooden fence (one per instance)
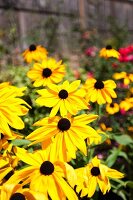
(56, 23)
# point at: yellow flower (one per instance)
(4, 140)
(95, 173)
(96, 140)
(11, 109)
(100, 91)
(105, 124)
(112, 108)
(16, 192)
(126, 105)
(69, 134)
(34, 53)
(127, 78)
(66, 98)
(105, 127)
(8, 163)
(46, 175)
(46, 72)
(109, 52)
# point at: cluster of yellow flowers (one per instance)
(48, 172)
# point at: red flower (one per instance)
(126, 54)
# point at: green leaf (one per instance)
(129, 184)
(112, 158)
(122, 195)
(20, 142)
(124, 155)
(123, 139)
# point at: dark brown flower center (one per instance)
(63, 94)
(47, 168)
(46, 72)
(32, 47)
(112, 105)
(99, 85)
(108, 47)
(64, 124)
(17, 196)
(95, 171)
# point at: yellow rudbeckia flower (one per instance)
(4, 140)
(126, 105)
(69, 134)
(46, 72)
(8, 163)
(127, 78)
(11, 107)
(112, 108)
(109, 52)
(66, 98)
(95, 173)
(46, 175)
(34, 53)
(16, 192)
(100, 91)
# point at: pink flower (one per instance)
(90, 75)
(91, 51)
(122, 111)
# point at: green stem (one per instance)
(97, 109)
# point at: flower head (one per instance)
(46, 175)
(109, 52)
(91, 51)
(100, 91)
(11, 107)
(5, 140)
(34, 53)
(46, 72)
(127, 78)
(66, 98)
(126, 105)
(69, 134)
(112, 108)
(126, 54)
(8, 163)
(95, 173)
(16, 192)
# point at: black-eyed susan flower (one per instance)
(127, 78)
(66, 98)
(69, 134)
(109, 52)
(34, 53)
(105, 124)
(5, 140)
(98, 139)
(11, 108)
(95, 173)
(112, 108)
(16, 192)
(126, 105)
(48, 71)
(100, 91)
(46, 175)
(8, 163)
